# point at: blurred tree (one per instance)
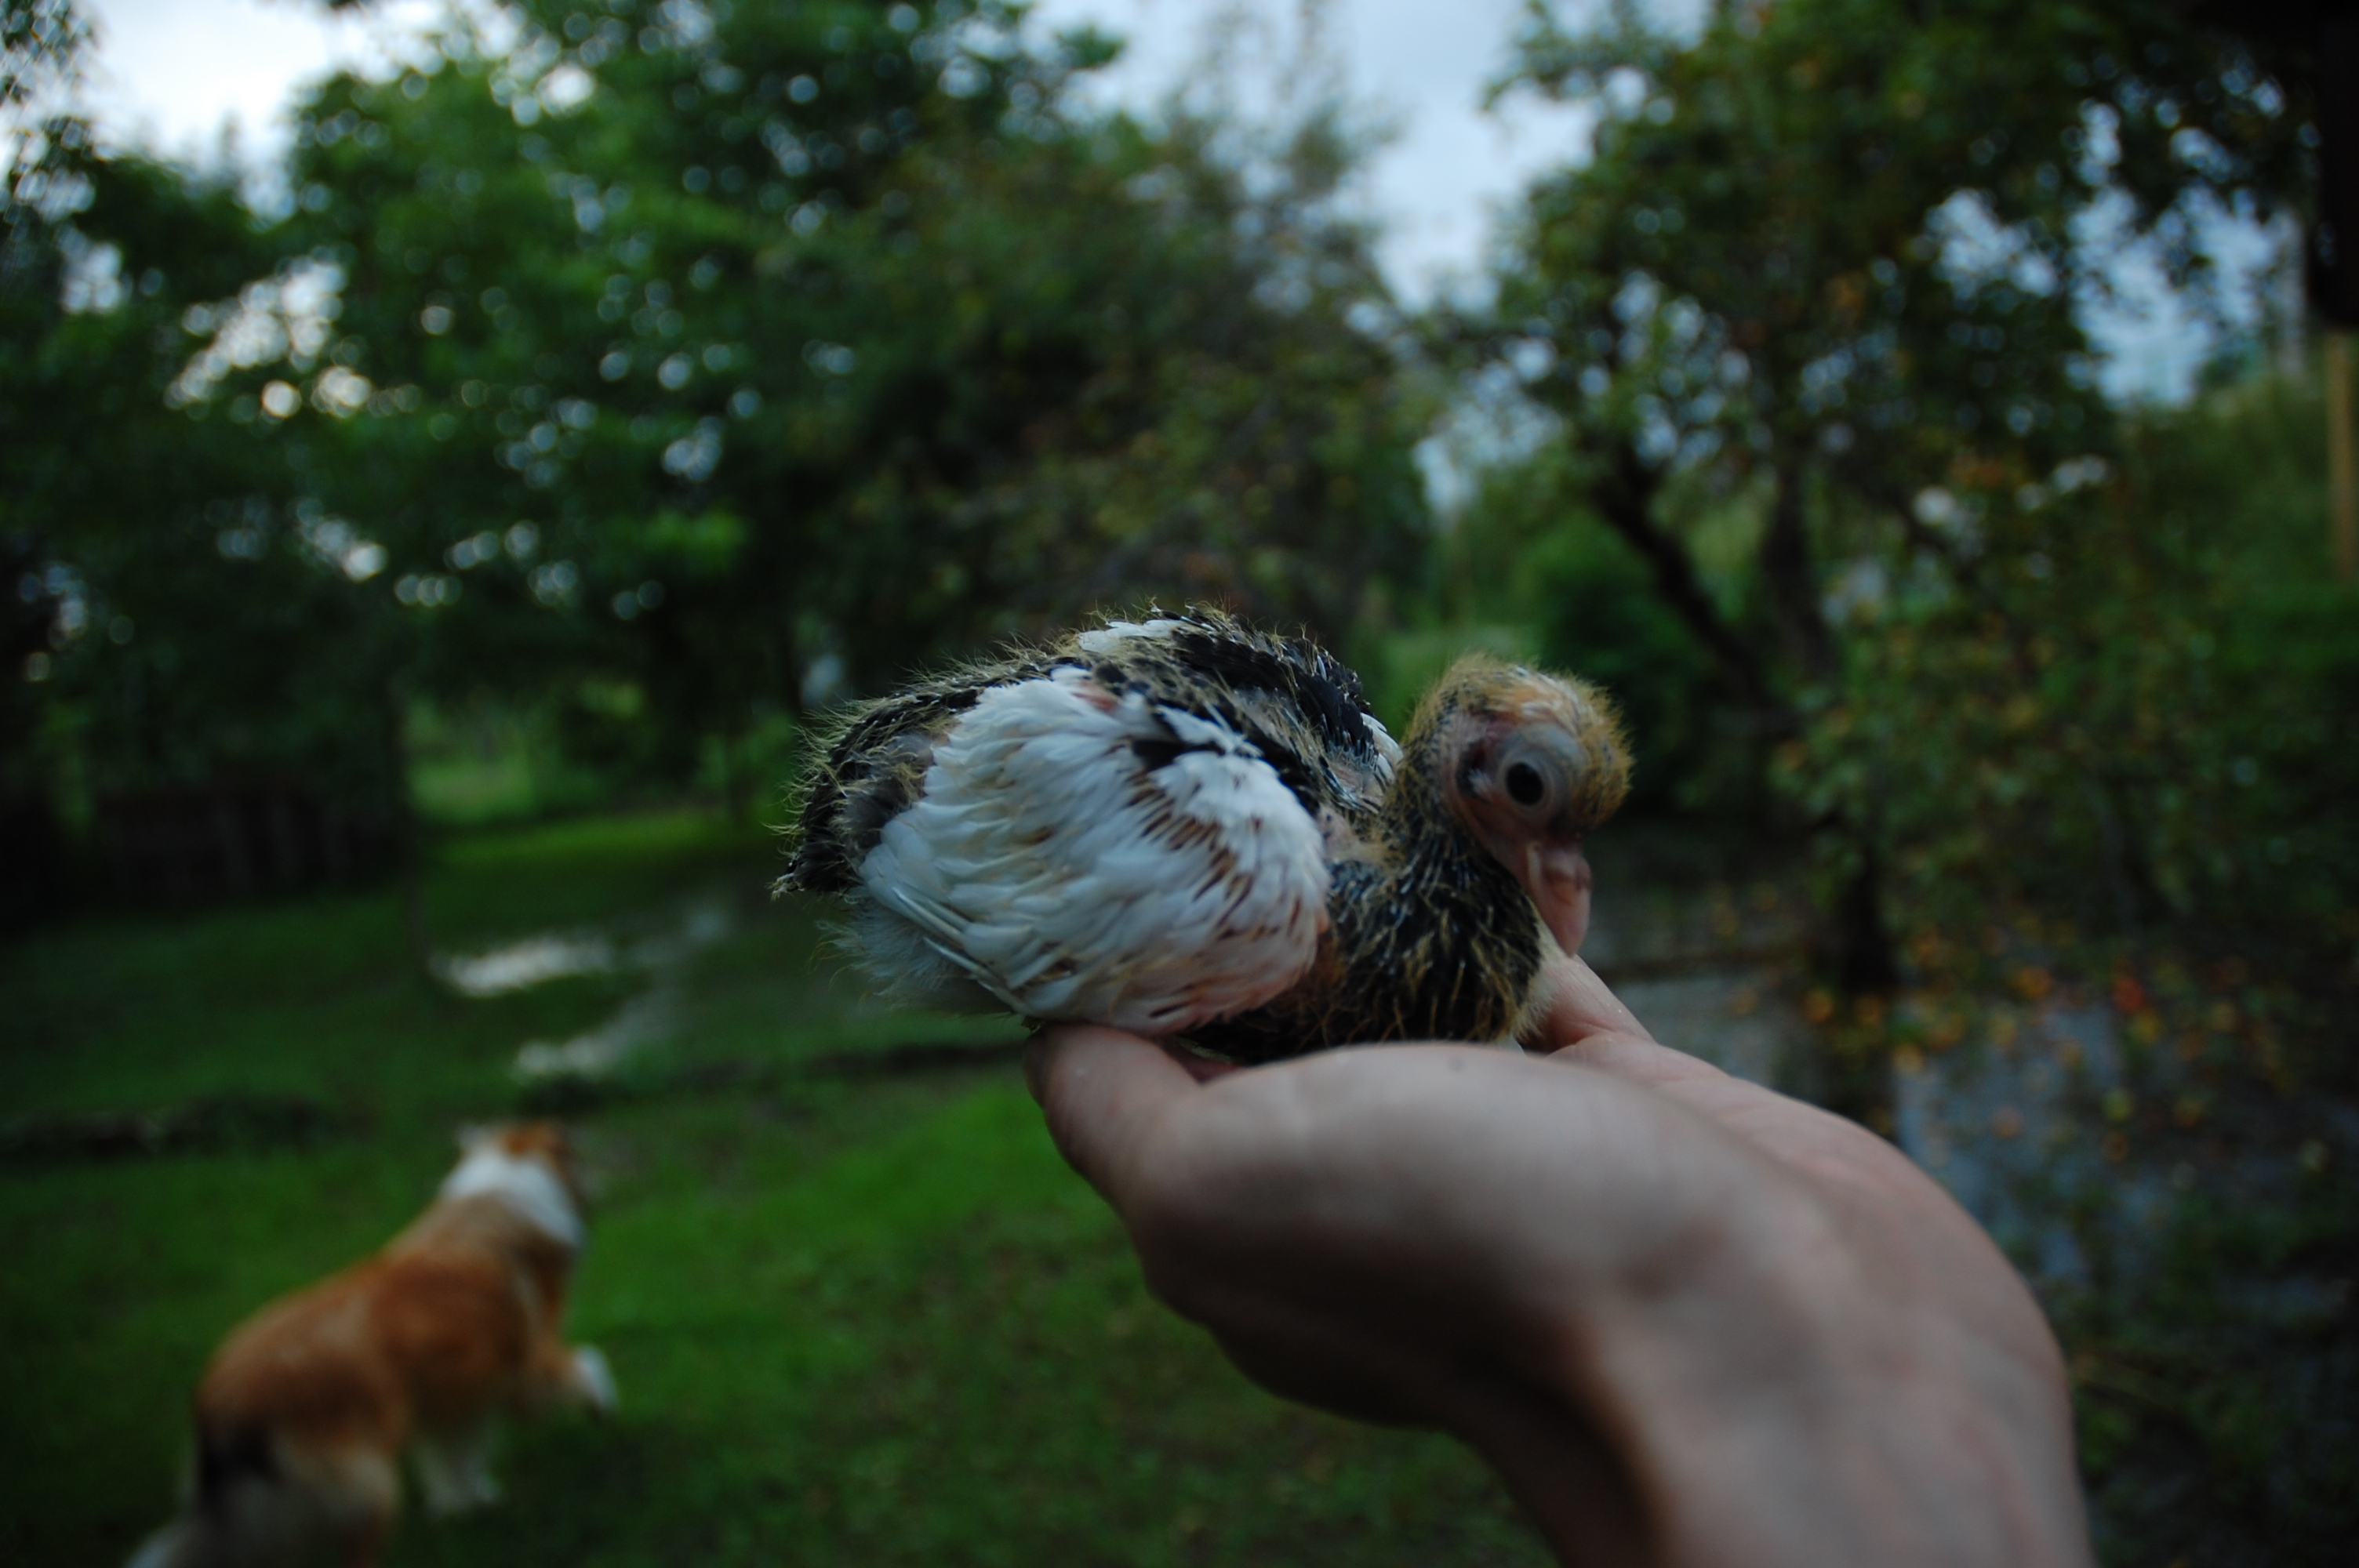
(2323, 36)
(39, 40)
(1828, 255)
(203, 626)
(160, 634)
(742, 355)
(188, 642)
(2066, 684)
(682, 366)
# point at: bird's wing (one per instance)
(1302, 709)
(872, 766)
(1093, 855)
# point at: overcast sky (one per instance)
(172, 73)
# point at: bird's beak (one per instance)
(1556, 874)
(1553, 868)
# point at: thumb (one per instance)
(1580, 1004)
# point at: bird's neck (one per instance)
(1428, 843)
(1446, 908)
(1428, 938)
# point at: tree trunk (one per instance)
(409, 853)
(733, 803)
(2341, 460)
(1865, 961)
(1858, 1082)
(1792, 578)
(1624, 498)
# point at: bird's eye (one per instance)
(1524, 785)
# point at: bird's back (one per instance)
(1133, 826)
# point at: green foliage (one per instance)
(2217, 1410)
(704, 361)
(188, 617)
(38, 41)
(174, 615)
(2148, 716)
(2235, 491)
(1824, 267)
(958, 360)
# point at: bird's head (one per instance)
(1530, 763)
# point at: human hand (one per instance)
(1687, 1320)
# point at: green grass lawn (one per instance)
(856, 1320)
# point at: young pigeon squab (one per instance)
(1189, 829)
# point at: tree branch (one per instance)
(1625, 497)
(1793, 584)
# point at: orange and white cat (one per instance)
(308, 1408)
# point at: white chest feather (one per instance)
(1053, 864)
(527, 1186)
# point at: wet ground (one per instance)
(1709, 946)
(659, 951)
(1706, 950)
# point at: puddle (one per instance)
(1734, 1018)
(641, 1021)
(2018, 1134)
(662, 955)
(521, 966)
(2014, 1123)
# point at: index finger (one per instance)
(1585, 1023)
(1581, 1005)
(1099, 1088)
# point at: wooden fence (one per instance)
(225, 840)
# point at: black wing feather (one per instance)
(1305, 712)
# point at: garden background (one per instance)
(421, 569)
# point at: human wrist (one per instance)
(1823, 1421)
